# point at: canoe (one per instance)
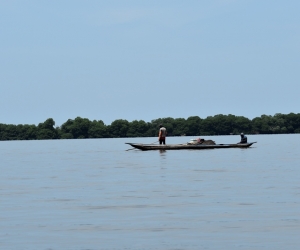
(145, 147)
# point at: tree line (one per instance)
(81, 128)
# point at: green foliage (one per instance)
(193, 125)
(18, 132)
(46, 130)
(180, 127)
(118, 128)
(81, 128)
(97, 129)
(137, 129)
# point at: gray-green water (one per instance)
(92, 194)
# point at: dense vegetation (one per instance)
(212, 125)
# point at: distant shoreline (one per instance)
(82, 128)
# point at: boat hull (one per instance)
(145, 147)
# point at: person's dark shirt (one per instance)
(243, 139)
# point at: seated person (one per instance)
(243, 138)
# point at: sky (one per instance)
(144, 60)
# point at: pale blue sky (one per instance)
(142, 60)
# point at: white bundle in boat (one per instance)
(201, 141)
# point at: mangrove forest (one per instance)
(81, 128)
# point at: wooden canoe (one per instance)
(145, 147)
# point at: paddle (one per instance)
(130, 149)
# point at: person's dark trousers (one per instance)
(162, 141)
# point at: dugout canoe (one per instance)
(145, 147)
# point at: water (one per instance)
(93, 194)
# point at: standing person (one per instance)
(162, 134)
(243, 138)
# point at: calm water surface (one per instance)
(93, 194)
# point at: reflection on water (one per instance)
(93, 194)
